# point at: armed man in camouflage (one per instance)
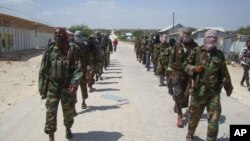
(178, 55)
(93, 62)
(156, 52)
(168, 51)
(78, 38)
(59, 77)
(137, 47)
(149, 50)
(107, 50)
(144, 44)
(208, 69)
(100, 50)
(163, 59)
(140, 49)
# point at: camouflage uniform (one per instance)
(85, 62)
(100, 60)
(61, 68)
(136, 47)
(144, 43)
(167, 53)
(207, 88)
(179, 77)
(149, 52)
(156, 48)
(84, 56)
(108, 49)
(156, 54)
(93, 61)
(140, 51)
(163, 61)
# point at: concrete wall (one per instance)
(14, 39)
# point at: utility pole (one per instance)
(173, 24)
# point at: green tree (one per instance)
(243, 30)
(84, 28)
(138, 33)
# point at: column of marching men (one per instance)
(193, 71)
(194, 75)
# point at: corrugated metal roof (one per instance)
(168, 27)
(128, 34)
(221, 29)
(17, 14)
(69, 32)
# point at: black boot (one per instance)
(84, 106)
(51, 136)
(68, 134)
(189, 137)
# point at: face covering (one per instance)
(186, 35)
(210, 39)
(78, 37)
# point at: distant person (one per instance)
(115, 43)
(59, 76)
(245, 63)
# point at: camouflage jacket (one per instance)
(84, 56)
(164, 56)
(61, 69)
(144, 44)
(178, 55)
(150, 46)
(156, 53)
(215, 74)
(93, 52)
(136, 46)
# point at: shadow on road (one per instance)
(114, 65)
(112, 77)
(106, 89)
(114, 69)
(196, 138)
(97, 136)
(113, 72)
(101, 108)
(221, 121)
(104, 83)
(203, 118)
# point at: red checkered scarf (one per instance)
(64, 44)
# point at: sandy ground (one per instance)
(145, 115)
(18, 77)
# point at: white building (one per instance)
(18, 32)
(172, 31)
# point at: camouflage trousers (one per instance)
(137, 53)
(90, 75)
(54, 95)
(99, 67)
(179, 82)
(83, 85)
(169, 83)
(196, 108)
(106, 60)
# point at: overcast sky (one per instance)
(150, 14)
